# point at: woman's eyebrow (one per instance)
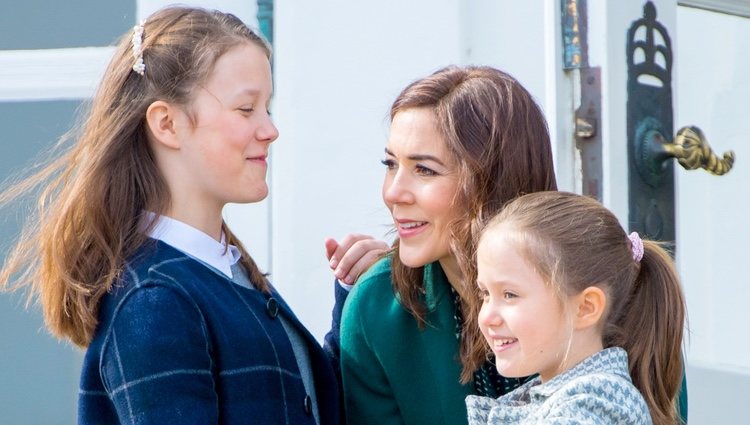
(419, 157)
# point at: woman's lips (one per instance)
(410, 228)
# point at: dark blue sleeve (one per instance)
(156, 362)
(332, 342)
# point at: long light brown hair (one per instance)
(499, 140)
(573, 242)
(93, 196)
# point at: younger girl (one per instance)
(130, 256)
(598, 314)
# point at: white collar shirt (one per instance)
(195, 243)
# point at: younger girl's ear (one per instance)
(591, 305)
(161, 120)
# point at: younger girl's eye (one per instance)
(389, 163)
(483, 294)
(509, 295)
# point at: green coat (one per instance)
(393, 372)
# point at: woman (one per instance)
(463, 142)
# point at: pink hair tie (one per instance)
(636, 245)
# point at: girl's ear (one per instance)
(161, 120)
(591, 305)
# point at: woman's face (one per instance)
(420, 185)
(225, 149)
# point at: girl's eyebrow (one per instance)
(419, 157)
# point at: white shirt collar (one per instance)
(195, 243)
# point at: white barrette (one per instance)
(138, 66)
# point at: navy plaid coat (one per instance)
(178, 343)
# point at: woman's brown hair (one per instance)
(90, 208)
(499, 140)
(573, 242)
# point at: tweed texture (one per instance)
(596, 391)
(179, 343)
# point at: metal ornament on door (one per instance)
(649, 123)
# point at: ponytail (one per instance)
(650, 329)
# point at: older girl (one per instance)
(130, 256)
(597, 314)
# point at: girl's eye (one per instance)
(424, 171)
(483, 294)
(509, 295)
(389, 164)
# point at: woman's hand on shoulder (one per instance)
(353, 255)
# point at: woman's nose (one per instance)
(396, 188)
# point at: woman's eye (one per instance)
(246, 110)
(389, 164)
(424, 171)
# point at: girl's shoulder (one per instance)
(155, 269)
(603, 395)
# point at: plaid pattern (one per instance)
(178, 343)
(596, 391)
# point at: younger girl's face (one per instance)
(419, 187)
(225, 150)
(522, 318)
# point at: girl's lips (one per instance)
(258, 159)
(409, 228)
(502, 344)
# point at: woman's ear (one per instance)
(591, 305)
(161, 120)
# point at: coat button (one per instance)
(308, 405)
(272, 307)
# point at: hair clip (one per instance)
(636, 245)
(138, 66)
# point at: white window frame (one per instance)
(732, 7)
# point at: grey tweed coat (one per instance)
(596, 391)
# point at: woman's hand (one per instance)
(353, 255)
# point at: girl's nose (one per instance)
(489, 316)
(267, 131)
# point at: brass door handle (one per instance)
(690, 148)
(692, 151)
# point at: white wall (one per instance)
(712, 90)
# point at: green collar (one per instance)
(436, 285)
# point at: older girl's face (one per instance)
(419, 189)
(226, 149)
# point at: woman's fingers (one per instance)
(353, 255)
